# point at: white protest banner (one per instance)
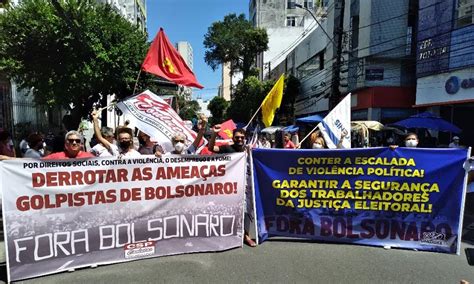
(66, 214)
(155, 117)
(337, 124)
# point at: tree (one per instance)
(248, 96)
(218, 106)
(187, 109)
(234, 40)
(287, 108)
(70, 51)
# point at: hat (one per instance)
(455, 138)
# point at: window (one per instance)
(355, 32)
(291, 21)
(308, 4)
(314, 64)
(290, 4)
(464, 13)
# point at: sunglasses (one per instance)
(71, 141)
(239, 137)
(177, 141)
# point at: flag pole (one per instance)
(302, 140)
(136, 81)
(253, 117)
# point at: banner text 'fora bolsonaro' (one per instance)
(61, 215)
(407, 198)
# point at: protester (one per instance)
(411, 140)
(179, 139)
(6, 144)
(287, 143)
(148, 147)
(125, 143)
(317, 141)
(23, 146)
(124, 137)
(35, 143)
(99, 150)
(72, 148)
(265, 143)
(107, 134)
(455, 143)
(238, 138)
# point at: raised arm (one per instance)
(212, 141)
(98, 134)
(202, 123)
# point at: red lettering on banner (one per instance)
(163, 112)
(167, 192)
(186, 172)
(78, 199)
(38, 180)
(79, 178)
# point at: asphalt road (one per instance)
(282, 262)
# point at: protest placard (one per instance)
(408, 198)
(65, 214)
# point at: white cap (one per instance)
(455, 138)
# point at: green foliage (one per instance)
(234, 40)
(247, 98)
(187, 109)
(218, 106)
(70, 51)
(287, 108)
(250, 93)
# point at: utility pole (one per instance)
(335, 96)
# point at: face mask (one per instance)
(179, 147)
(317, 146)
(411, 143)
(125, 144)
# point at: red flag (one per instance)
(165, 61)
(226, 129)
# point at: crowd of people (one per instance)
(120, 142)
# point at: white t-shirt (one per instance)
(131, 154)
(100, 151)
(452, 145)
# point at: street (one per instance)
(281, 261)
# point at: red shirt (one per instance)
(63, 155)
(290, 145)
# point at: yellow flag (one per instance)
(272, 101)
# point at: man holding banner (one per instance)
(238, 137)
(72, 148)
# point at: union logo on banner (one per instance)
(152, 115)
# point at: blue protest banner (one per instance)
(407, 198)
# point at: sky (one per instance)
(188, 20)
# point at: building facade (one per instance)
(445, 64)
(366, 48)
(379, 54)
(286, 25)
(186, 51)
(132, 10)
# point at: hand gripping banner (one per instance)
(407, 198)
(61, 215)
